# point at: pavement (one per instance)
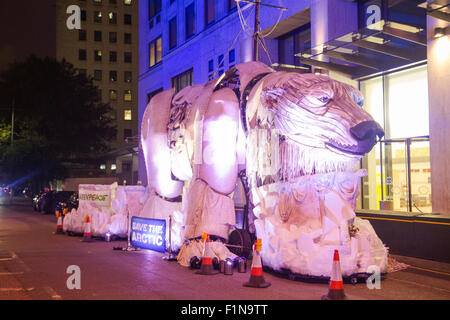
(37, 264)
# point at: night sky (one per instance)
(27, 27)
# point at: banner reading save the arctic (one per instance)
(148, 233)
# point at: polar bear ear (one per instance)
(270, 97)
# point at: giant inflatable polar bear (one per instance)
(296, 137)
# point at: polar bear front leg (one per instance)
(155, 146)
(209, 208)
(162, 201)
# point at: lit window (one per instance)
(103, 166)
(112, 17)
(97, 16)
(113, 166)
(127, 114)
(112, 94)
(182, 80)
(98, 55)
(155, 52)
(113, 76)
(127, 2)
(127, 76)
(127, 95)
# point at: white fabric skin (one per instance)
(300, 234)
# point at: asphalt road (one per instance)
(34, 263)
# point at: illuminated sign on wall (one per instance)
(148, 233)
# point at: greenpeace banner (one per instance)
(148, 233)
(89, 194)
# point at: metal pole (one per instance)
(170, 257)
(408, 170)
(256, 35)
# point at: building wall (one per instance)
(68, 44)
(439, 97)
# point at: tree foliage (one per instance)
(58, 117)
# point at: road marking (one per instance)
(10, 273)
(429, 270)
(5, 259)
(24, 265)
(52, 293)
(15, 289)
(419, 284)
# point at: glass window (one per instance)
(127, 2)
(112, 1)
(113, 37)
(113, 76)
(154, 7)
(98, 75)
(173, 33)
(182, 80)
(127, 38)
(113, 56)
(292, 43)
(231, 56)
(127, 76)
(127, 114)
(82, 34)
(113, 166)
(210, 65)
(81, 54)
(127, 18)
(97, 16)
(112, 94)
(155, 51)
(97, 36)
(83, 15)
(190, 20)
(112, 18)
(127, 56)
(98, 55)
(127, 95)
(209, 12)
(220, 61)
(82, 72)
(399, 165)
(231, 4)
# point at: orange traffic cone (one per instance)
(207, 267)
(256, 275)
(87, 230)
(336, 290)
(59, 227)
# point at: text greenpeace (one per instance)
(148, 233)
(101, 198)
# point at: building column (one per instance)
(438, 60)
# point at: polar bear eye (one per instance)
(324, 99)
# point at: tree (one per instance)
(58, 118)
